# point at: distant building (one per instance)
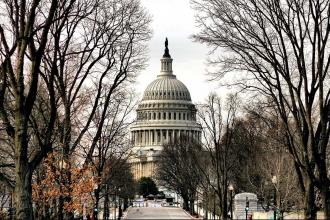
(164, 114)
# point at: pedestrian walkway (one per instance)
(156, 213)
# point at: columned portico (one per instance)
(164, 115)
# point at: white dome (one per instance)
(166, 88)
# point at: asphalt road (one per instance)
(156, 213)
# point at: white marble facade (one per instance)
(164, 114)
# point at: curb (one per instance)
(201, 218)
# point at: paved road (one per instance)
(156, 213)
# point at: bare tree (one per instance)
(102, 45)
(262, 135)
(177, 169)
(282, 49)
(113, 145)
(217, 168)
(20, 61)
(119, 181)
(65, 47)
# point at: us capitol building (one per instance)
(164, 114)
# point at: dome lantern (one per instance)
(166, 62)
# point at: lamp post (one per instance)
(106, 203)
(115, 200)
(247, 208)
(120, 212)
(274, 181)
(231, 190)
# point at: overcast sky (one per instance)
(175, 19)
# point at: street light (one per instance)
(120, 210)
(106, 202)
(231, 190)
(274, 181)
(247, 208)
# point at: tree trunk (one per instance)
(192, 208)
(106, 206)
(309, 201)
(60, 215)
(96, 204)
(206, 207)
(23, 191)
(185, 204)
(125, 203)
(325, 194)
(224, 211)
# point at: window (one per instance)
(174, 116)
(154, 115)
(179, 116)
(169, 116)
(164, 115)
(184, 116)
(159, 115)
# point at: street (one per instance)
(156, 213)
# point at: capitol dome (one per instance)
(164, 115)
(166, 87)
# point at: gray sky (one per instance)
(174, 19)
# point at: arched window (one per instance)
(169, 116)
(174, 116)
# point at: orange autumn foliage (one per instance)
(67, 180)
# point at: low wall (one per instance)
(286, 215)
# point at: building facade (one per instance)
(164, 114)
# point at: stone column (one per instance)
(154, 135)
(132, 137)
(137, 138)
(167, 136)
(161, 136)
(140, 137)
(144, 137)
